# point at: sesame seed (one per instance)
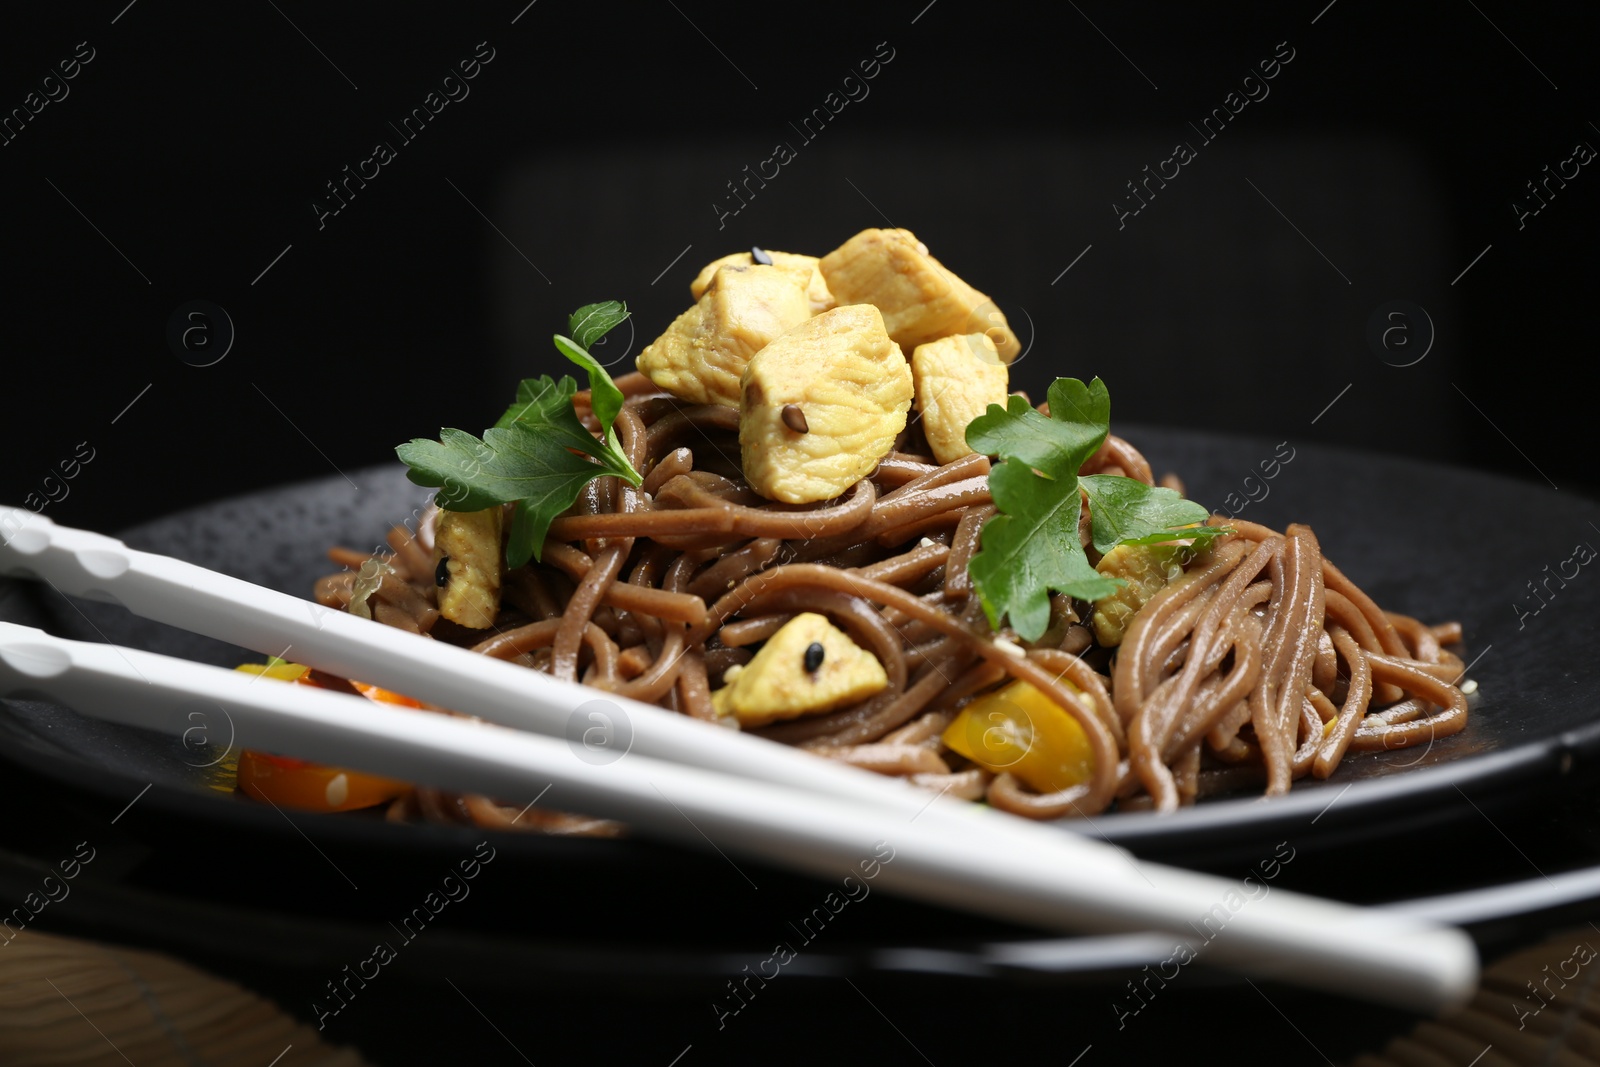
(1010, 648)
(337, 791)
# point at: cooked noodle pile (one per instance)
(1263, 663)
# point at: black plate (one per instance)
(1430, 541)
(285, 904)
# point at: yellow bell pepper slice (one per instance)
(1019, 730)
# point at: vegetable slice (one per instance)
(305, 786)
(1021, 731)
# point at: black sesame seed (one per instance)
(441, 573)
(760, 257)
(794, 418)
(814, 654)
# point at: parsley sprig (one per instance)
(537, 456)
(1031, 548)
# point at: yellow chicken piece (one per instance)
(956, 380)
(803, 267)
(821, 405)
(920, 299)
(1147, 569)
(467, 556)
(702, 354)
(808, 667)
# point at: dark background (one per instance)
(591, 150)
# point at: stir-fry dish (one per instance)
(818, 513)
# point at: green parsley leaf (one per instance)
(537, 456)
(593, 321)
(538, 400)
(532, 461)
(1123, 511)
(588, 325)
(1031, 547)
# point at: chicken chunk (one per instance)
(703, 353)
(920, 299)
(468, 562)
(1147, 569)
(803, 267)
(808, 667)
(956, 380)
(821, 405)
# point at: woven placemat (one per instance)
(67, 1001)
(1538, 1006)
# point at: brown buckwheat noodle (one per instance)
(1261, 664)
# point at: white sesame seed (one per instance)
(337, 790)
(1469, 687)
(1010, 648)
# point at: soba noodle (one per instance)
(1262, 663)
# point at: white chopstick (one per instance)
(1063, 886)
(171, 591)
(193, 598)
